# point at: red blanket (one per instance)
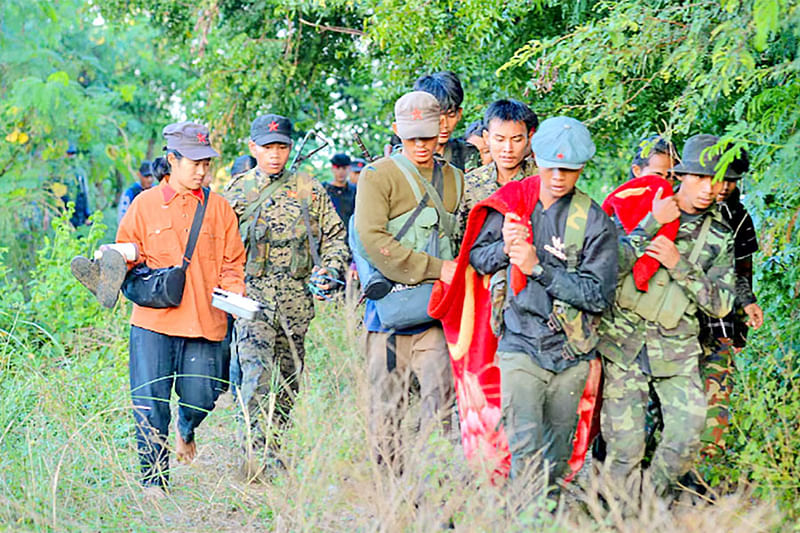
(631, 202)
(464, 309)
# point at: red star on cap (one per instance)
(560, 156)
(202, 138)
(273, 126)
(416, 114)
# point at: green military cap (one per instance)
(417, 115)
(693, 161)
(190, 139)
(268, 129)
(562, 142)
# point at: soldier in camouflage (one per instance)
(510, 124)
(721, 337)
(291, 230)
(649, 339)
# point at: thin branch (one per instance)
(336, 29)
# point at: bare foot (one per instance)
(186, 451)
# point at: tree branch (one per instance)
(336, 29)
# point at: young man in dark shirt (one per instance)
(446, 87)
(340, 190)
(541, 378)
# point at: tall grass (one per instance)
(68, 463)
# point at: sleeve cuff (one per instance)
(434, 270)
(650, 225)
(681, 271)
(546, 276)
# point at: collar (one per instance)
(169, 193)
(269, 178)
(525, 169)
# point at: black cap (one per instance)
(190, 139)
(242, 164)
(693, 153)
(341, 160)
(268, 129)
(146, 168)
(357, 164)
(738, 167)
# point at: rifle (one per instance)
(363, 148)
(298, 158)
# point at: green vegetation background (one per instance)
(108, 75)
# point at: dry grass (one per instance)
(76, 470)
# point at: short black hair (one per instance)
(475, 128)
(445, 86)
(511, 111)
(160, 168)
(655, 144)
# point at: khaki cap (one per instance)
(417, 115)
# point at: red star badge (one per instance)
(416, 114)
(560, 156)
(273, 126)
(202, 138)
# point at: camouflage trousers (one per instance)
(683, 408)
(271, 354)
(716, 366)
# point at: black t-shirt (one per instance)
(344, 200)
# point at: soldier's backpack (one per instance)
(665, 302)
(407, 306)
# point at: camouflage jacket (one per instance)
(708, 284)
(481, 183)
(277, 239)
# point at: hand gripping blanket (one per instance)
(464, 308)
(631, 202)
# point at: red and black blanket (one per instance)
(464, 308)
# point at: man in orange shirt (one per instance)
(181, 345)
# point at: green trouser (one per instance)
(716, 366)
(683, 408)
(539, 410)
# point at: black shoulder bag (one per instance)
(163, 287)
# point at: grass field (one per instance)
(67, 461)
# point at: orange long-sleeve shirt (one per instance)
(158, 222)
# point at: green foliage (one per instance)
(68, 77)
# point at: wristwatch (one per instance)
(537, 270)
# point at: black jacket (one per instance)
(590, 288)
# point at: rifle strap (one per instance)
(255, 208)
(575, 230)
(701, 239)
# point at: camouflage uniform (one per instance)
(270, 348)
(481, 183)
(638, 352)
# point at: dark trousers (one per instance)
(157, 362)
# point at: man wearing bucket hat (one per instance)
(649, 337)
(180, 346)
(721, 337)
(408, 189)
(291, 231)
(566, 247)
